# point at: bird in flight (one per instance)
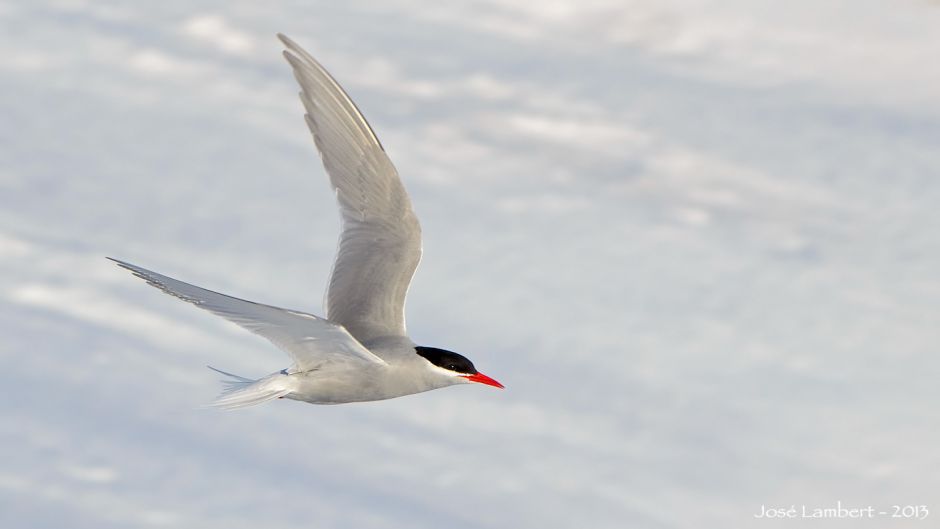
(360, 351)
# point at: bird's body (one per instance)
(361, 351)
(405, 373)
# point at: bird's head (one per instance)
(449, 363)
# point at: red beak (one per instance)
(483, 379)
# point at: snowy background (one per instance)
(699, 242)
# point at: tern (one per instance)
(360, 350)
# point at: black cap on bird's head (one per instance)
(456, 363)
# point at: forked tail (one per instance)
(241, 392)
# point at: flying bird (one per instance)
(360, 351)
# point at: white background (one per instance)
(699, 242)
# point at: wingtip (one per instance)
(123, 264)
(142, 273)
(287, 41)
(296, 55)
(293, 59)
(118, 262)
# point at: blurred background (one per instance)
(696, 240)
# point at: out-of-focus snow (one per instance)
(696, 240)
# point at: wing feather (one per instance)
(380, 242)
(312, 342)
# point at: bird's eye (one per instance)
(452, 367)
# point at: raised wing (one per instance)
(380, 243)
(312, 342)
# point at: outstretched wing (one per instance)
(380, 243)
(312, 342)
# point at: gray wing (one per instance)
(380, 243)
(312, 342)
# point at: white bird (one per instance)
(360, 351)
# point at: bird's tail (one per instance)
(241, 392)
